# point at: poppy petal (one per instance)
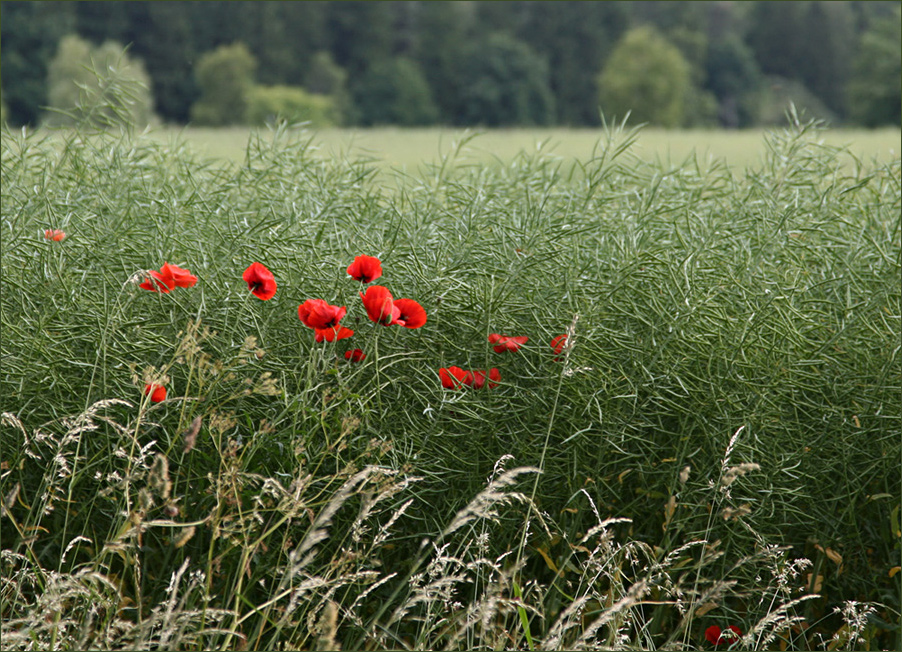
(712, 634)
(365, 269)
(494, 377)
(260, 281)
(181, 278)
(157, 393)
(380, 305)
(356, 355)
(454, 377)
(320, 314)
(333, 334)
(157, 282)
(411, 314)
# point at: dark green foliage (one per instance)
(828, 42)
(393, 91)
(779, 92)
(734, 78)
(504, 82)
(875, 92)
(169, 48)
(30, 33)
(811, 43)
(360, 33)
(575, 38)
(442, 41)
(774, 36)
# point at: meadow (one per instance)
(408, 150)
(696, 448)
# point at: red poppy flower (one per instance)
(181, 278)
(558, 343)
(365, 269)
(411, 314)
(157, 282)
(319, 314)
(716, 637)
(479, 378)
(503, 343)
(260, 281)
(454, 377)
(333, 334)
(380, 306)
(157, 392)
(54, 234)
(355, 356)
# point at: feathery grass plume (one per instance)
(484, 505)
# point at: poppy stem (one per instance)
(378, 365)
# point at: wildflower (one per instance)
(320, 315)
(479, 378)
(157, 282)
(54, 234)
(260, 281)
(716, 637)
(454, 377)
(558, 344)
(181, 278)
(380, 306)
(365, 269)
(355, 356)
(333, 334)
(169, 277)
(503, 343)
(411, 314)
(157, 392)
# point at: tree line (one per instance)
(675, 64)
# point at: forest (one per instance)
(674, 64)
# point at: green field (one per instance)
(700, 431)
(408, 149)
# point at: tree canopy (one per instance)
(470, 63)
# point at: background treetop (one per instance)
(478, 63)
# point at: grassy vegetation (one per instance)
(718, 444)
(408, 150)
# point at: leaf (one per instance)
(833, 556)
(705, 608)
(669, 509)
(524, 621)
(548, 561)
(814, 583)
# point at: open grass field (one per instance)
(407, 150)
(219, 433)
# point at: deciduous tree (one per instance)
(646, 76)
(225, 77)
(99, 85)
(875, 91)
(505, 83)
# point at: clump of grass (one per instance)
(717, 444)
